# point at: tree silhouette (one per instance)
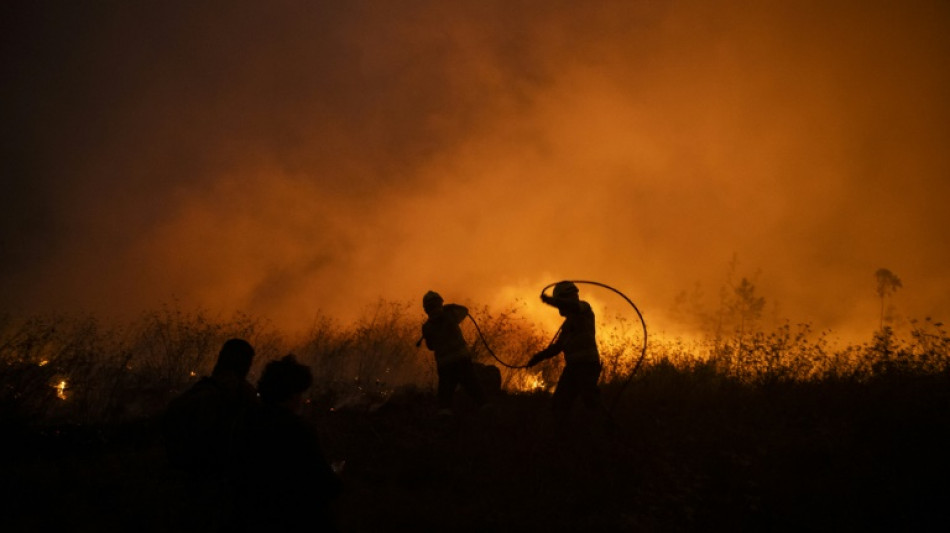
(887, 284)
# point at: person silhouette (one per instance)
(453, 359)
(203, 426)
(287, 483)
(577, 340)
(204, 431)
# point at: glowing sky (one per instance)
(289, 158)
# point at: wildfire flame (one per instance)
(61, 390)
(530, 383)
(535, 382)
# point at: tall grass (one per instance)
(78, 369)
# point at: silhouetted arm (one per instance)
(456, 311)
(425, 336)
(547, 353)
(563, 304)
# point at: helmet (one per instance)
(564, 289)
(431, 298)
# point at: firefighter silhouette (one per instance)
(443, 335)
(577, 340)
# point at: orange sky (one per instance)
(306, 158)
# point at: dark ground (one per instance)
(684, 455)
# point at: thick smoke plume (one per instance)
(295, 158)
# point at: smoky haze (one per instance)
(294, 158)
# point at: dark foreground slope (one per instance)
(685, 454)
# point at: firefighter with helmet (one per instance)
(443, 335)
(577, 341)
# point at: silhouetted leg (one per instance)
(590, 393)
(565, 393)
(448, 381)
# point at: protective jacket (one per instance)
(444, 336)
(577, 338)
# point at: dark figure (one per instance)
(288, 484)
(452, 357)
(578, 342)
(489, 377)
(203, 427)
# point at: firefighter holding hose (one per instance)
(577, 340)
(453, 359)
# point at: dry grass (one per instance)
(770, 430)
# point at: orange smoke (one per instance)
(314, 159)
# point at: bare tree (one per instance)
(887, 284)
(746, 307)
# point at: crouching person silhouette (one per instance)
(288, 484)
(453, 359)
(577, 339)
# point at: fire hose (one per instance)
(633, 371)
(643, 351)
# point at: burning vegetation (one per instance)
(715, 431)
(101, 372)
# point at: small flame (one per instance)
(61, 390)
(535, 382)
(192, 373)
(44, 362)
(530, 383)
